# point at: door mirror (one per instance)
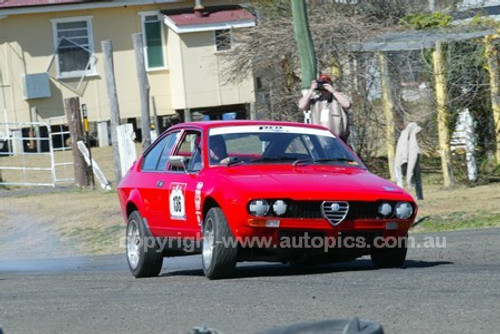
(178, 161)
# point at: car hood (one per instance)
(311, 182)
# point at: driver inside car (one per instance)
(218, 150)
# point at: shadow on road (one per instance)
(249, 269)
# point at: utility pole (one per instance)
(304, 43)
(143, 90)
(109, 72)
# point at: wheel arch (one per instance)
(133, 203)
(209, 203)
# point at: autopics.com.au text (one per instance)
(304, 241)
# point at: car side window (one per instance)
(151, 158)
(156, 158)
(190, 148)
(172, 138)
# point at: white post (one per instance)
(126, 147)
(17, 142)
(470, 146)
(103, 134)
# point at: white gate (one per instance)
(28, 156)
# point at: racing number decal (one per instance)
(177, 201)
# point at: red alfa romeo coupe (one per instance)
(256, 190)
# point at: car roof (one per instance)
(206, 125)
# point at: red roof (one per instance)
(209, 15)
(32, 3)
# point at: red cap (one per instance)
(324, 78)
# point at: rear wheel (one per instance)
(143, 254)
(391, 257)
(220, 249)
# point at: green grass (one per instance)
(458, 221)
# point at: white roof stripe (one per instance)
(269, 128)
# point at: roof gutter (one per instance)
(207, 27)
(79, 6)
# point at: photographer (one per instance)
(328, 107)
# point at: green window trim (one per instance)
(154, 51)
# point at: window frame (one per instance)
(177, 134)
(90, 35)
(143, 16)
(176, 150)
(230, 40)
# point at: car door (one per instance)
(154, 184)
(184, 215)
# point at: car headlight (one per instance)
(279, 207)
(259, 207)
(384, 209)
(403, 210)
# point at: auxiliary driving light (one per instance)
(259, 207)
(403, 210)
(384, 209)
(279, 207)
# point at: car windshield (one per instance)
(277, 144)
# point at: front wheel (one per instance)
(391, 257)
(143, 254)
(220, 248)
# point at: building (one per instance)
(51, 50)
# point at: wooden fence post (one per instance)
(72, 109)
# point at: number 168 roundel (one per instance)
(256, 190)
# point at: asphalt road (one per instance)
(448, 290)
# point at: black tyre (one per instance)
(220, 251)
(393, 257)
(143, 254)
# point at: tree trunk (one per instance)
(490, 54)
(107, 50)
(390, 130)
(442, 115)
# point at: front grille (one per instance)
(334, 211)
(362, 210)
(313, 209)
(304, 209)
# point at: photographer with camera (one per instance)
(328, 106)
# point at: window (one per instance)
(171, 139)
(296, 146)
(190, 148)
(74, 46)
(223, 39)
(157, 157)
(152, 32)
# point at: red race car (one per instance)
(256, 190)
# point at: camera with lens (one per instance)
(321, 85)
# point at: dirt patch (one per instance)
(60, 224)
